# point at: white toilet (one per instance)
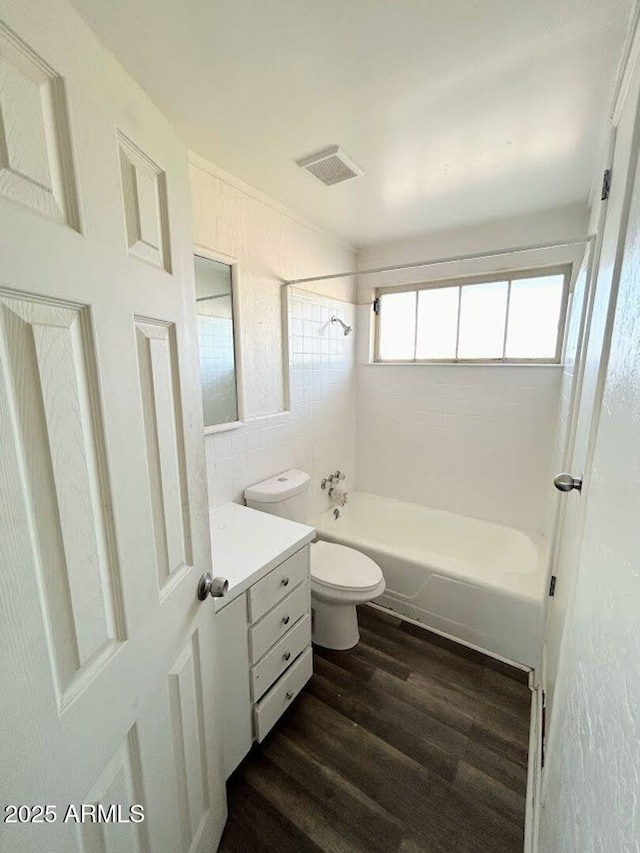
(341, 577)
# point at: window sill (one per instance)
(537, 364)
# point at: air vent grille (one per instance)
(331, 166)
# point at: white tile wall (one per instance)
(317, 434)
(477, 440)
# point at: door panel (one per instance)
(108, 655)
(160, 388)
(187, 718)
(144, 197)
(36, 166)
(50, 382)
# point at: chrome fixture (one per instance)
(565, 483)
(338, 495)
(215, 587)
(347, 329)
(332, 478)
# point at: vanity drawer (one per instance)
(278, 621)
(278, 583)
(269, 709)
(281, 656)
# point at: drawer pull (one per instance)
(289, 695)
(286, 655)
(285, 581)
(285, 620)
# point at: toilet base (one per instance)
(335, 626)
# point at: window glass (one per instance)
(483, 310)
(397, 326)
(513, 320)
(437, 323)
(534, 311)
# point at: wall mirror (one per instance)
(219, 351)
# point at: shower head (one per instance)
(347, 329)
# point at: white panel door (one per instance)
(589, 378)
(107, 664)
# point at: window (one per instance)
(512, 318)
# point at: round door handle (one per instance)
(285, 620)
(289, 695)
(285, 581)
(215, 587)
(286, 655)
(565, 483)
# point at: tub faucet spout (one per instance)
(338, 495)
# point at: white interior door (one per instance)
(593, 767)
(599, 306)
(108, 663)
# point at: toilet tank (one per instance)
(284, 495)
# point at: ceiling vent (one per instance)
(331, 166)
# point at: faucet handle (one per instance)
(339, 475)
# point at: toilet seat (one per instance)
(342, 568)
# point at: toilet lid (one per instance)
(339, 567)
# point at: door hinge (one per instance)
(552, 586)
(376, 305)
(606, 185)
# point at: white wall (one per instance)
(474, 439)
(470, 439)
(313, 426)
(271, 244)
(551, 226)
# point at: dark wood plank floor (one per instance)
(406, 743)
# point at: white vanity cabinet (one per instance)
(263, 623)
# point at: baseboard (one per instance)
(534, 773)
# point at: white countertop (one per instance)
(246, 544)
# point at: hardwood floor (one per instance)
(406, 743)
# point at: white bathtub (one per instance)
(473, 580)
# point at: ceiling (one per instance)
(457, 110)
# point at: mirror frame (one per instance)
(221, 258)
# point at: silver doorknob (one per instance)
(565, 483)
(215, 587)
